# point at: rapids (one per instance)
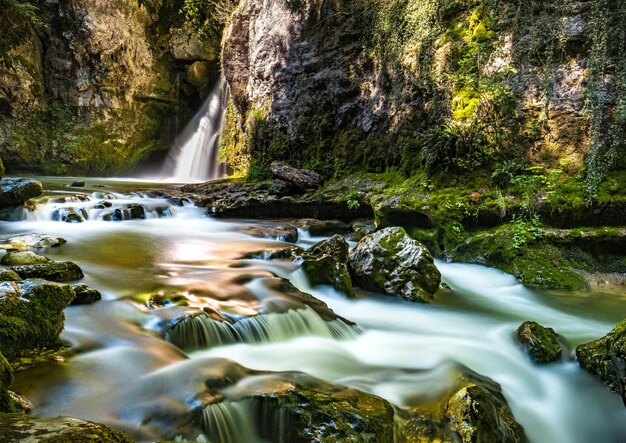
(120, 370)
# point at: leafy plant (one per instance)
(17, 19)
(352, 199)
(525, 229)
(504, 173)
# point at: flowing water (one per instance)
(193, 157)
(121, 369)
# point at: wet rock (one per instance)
(323, 227)
(16, 428)
(326, 263)
(280, 188)
(103, 204)
(70, 215)
(289, 253)
(606, 359)
(163, 211)
(17, 258)
(31, 316)
(286, 234)
(179, 201)
(85, 294)
(131, 211)
(361, 228)
(8, 275)
(32, 241)
(53, 271)
(390, 213)
(15, 191)
(78, 184)
(391, 262)
(479, 412)
(540, 343)
(6, 378)
(301, 178)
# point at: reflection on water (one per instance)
(121, 371)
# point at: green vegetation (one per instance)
(17, 20)
(209, 17)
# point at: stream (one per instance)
(119, 370)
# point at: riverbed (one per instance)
(118, 368)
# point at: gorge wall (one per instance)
(94, 87)
(339, 85)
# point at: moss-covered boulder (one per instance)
(15, 191)
(540, 343)
(52, 271)
(8, 275)
(85, 295)
(535, 262)
(298, 408)
(70, 215)
(479, 413)
(326, 263)
(18, 258)
(6, 378)
(31, 316)
(391, 262)
(606, 358)
(15, 428)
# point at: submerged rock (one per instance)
(15, 191)
(16, 428)
(132, 211)
(85, 294)
(606, 359)
(16, 258)
(280, 233)
(390, 261)
(323, 227)
(540, 343)
(301, 178)
(326, 263)
(52, 271)
(31, 316)
(33, 241)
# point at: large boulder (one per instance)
(301, 178)
(540, 343)
(479, 413)
(31, 316)
(15, 191)
(8, 275)
(391, 262)
(16, 428)
(326, 263)
(32, 241)
(17, 258)
(53, 271)
(606, 358)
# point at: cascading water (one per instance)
(120, 372)
(193, 156)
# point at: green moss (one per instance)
(541, 343)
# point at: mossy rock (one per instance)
(9, 275)
(15, 428)
(53, 271)
(31, 316)
(326, 263)
(606, 358)
(18, 258)
(536, 263)
(479, 413)
(391, 262)
(1, 169)
(15, 191)
(85, 295)
(540, 343)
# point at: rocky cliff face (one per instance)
(335, 84)
(99, 85)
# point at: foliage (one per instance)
(353, 199)
(209, 17)
(504, 173)
(17, 19)
(258, 172)
(525, 230)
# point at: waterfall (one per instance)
(193, 156)
(228, 422)
(201, 331)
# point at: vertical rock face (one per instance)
(346, 82)
(99, 85)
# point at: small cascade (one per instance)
(201, 331)
(193, 156)
(229, 422)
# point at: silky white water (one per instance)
(120, 371)
(193, 156)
